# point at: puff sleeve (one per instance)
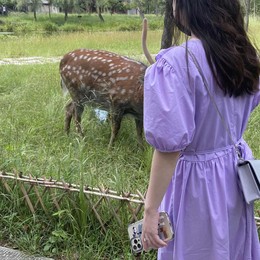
(169, 106)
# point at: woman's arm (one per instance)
(162, 169)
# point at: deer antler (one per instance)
(144, 46)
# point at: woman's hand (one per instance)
(150, 237)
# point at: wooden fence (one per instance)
(37, 192)
(50, 195)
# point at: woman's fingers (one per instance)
(152, 241)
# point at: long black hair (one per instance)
(219, 24)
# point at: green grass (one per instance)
(125, 43)
(32, 140)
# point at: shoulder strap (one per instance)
(214, 102)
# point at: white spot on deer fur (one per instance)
(112, 91)
(73, 80)
(85, 57)
(123, 91)
(76, 58)
(80, 77)
(121, 78)
(112, 80)
(127, 70)
(69, 67)
(132, 77)
(111, 64)
(103, 85)
(111, 73)
(104, 74)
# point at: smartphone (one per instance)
(165, 232)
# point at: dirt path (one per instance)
(28, 60)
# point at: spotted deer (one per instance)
(104, 80)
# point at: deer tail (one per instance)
(63, 87)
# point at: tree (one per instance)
(247, 4)
(115, 6)
(139, 4)
(35, 4)
(168, 28)
(66, 6)
(24, 5)
(99, 4)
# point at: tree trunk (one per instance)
(66, 14)
(49, 10)
(140, 10)
(99, 14)
(247, 3)
(168, 28)
(34, 14)
(156, 8)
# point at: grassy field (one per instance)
(32, 139)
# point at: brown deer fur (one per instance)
(104, 80)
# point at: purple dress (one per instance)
(211, 220)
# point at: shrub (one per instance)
(72, 28)
(50, 27)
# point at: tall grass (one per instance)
(32, 140)
(125, 43)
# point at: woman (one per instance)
(194, 174)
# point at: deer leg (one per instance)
(139, 131)
(69, 111)
(77, 117)
(116, 119)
